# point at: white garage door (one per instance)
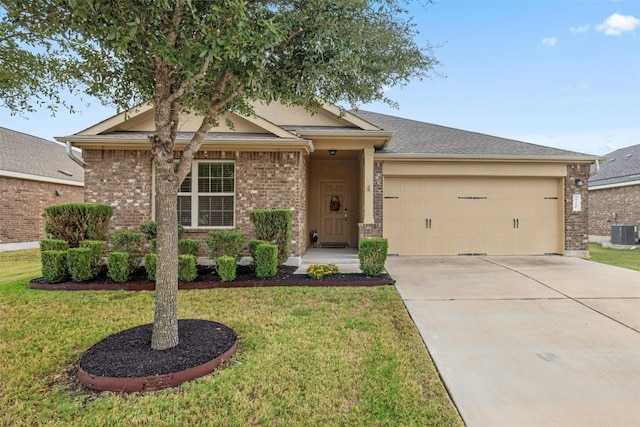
(473, 215)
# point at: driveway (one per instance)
(529, 341)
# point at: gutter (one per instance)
(72, 156)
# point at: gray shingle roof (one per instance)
(621, 166)
(414, 137)
(31, 155)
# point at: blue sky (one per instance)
(564, 74)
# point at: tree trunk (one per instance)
(165, 323)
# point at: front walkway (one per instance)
(529, 341)
(345, 258)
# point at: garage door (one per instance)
(473, 215)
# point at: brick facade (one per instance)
(623, 201)
(576, 223)
(264, 180)
(374, 230)
(23, 202)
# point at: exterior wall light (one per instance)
(333, 152)
(579, 182)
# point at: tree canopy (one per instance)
(208, 57)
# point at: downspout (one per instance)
(596, 169)
(72, 156)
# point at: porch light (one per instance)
(333, 152)
(579, 182)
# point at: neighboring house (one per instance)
(614, 191)
(34, 173)
(429, 189)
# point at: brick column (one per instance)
(576, 211)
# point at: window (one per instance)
(207, 195)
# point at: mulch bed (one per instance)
(208, 279)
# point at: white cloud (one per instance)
(617, 24)
(549, 41)
(580, 29)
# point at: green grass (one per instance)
(626, 258)
(307, 356)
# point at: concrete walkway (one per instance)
(529, 341)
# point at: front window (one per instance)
(207, 195)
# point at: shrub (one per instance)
(53, 245)
(187, 271)
(226, 268)
(266, 260)
(189, 247)
(118, 266)
(150, 264)
(225, 242)
(253, 246)
(274, 226)
(132, 242)
(150, 230)
(154, 246)
(54, 266)
(75, 222)
(372, 254)
(98, 249)
(318, 271)
(79, 264)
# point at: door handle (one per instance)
(517, 223)
(427, 223)
(514, 223)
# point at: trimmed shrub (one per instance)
(266, 260)
(373, 254)
(54, 266)
(98, 249)
(225, 242)
(118, 266)
(150, 230)
(226, 268)
(187, 271)
(79, 264)
(189, 247)
(253, 245)
(132, 242)
(75, 222)
(150, 264)
(154, 246)
(53, 245)
(274, 226)
(318, 271)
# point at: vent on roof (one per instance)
(64, 172)
(612, 160)
(628, 155)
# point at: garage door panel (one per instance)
(450, 215)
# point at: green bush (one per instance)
(79, 264)
(150, 264)
(118, 266)
(187, 271)
(318, 271)
(54, 265)
(189, 247)
(372, 254)
(53, 245)
(98, 249)
(154, 246)
(253, 246)
(225, 242)
(150, 230)
(226, 268)
(274, 226)
(132, 242)
(266, 260)
(75, 222)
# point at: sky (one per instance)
(559, 73)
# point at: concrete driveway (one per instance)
(529, 341)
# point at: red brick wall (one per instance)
(624, 201)
(576, 226)
(23, 202)
(272, 180)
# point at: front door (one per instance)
(334, 213)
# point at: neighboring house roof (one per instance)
(425, 139)
(29, 157)
(621, 168)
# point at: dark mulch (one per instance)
(128, 353)
(207, 279)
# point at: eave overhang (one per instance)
(425, 157)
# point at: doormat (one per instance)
(333, 245)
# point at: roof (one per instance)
(419, 138)
(29, 157)
(622, 167)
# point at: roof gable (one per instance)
(29, 157)
(620, 167)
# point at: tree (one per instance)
(217, 56)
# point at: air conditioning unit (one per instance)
(624, 234)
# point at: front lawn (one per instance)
(626, 258)
(307, 356)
